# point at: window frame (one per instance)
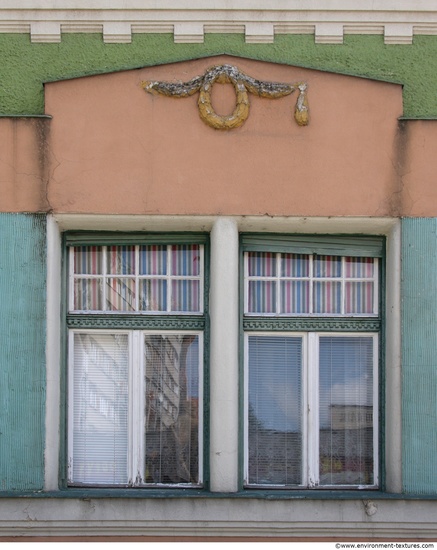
(315, 324)
(139, 322)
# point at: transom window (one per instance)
(136, 352)
(303, 284)
(311, 347)
(140, 278)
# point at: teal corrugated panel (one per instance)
(22, 350)
(419, 355)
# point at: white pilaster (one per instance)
(224, 356)
(53, 356)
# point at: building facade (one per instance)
(219, 228)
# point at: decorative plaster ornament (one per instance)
(242, 83)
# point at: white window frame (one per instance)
(136, 277)
(136, 402)
(224, 370)
(310, 408)
(311, 279)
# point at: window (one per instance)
(136, 324)
(311, 346)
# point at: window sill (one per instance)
(88, 494)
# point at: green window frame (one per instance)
(311, 373)
(137, 345)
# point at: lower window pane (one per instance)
(346, 410)
(171, 408)
(99, 398)
(275, 410)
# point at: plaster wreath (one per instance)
(242, 83)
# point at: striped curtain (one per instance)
(146, 278)
(299, 284)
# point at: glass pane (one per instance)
(100, 398)
(359, 298)
(327, 297)
(121, 260)
(185, 295)
(153, 295)
(185, 260)
(262, 297)
(172, 408)
(153, 260)
(88, 294)
(294, 265)
(88, 260)
(120, 294)
(295, 297)
(346, 410)
(261, 264)
(327, 266)
(275, 410)
(359, 267)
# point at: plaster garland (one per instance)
(242, 83)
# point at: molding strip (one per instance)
(398, 21)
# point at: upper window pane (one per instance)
(121, 260)
(88, 260)
(137, 278)
(310, 284)
(327, 266)
(261, 264)
(153, 260)
(185, 260)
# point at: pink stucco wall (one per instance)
(112, 148)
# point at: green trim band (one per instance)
(330, 245)
(136, 321)
(79, 238)
(315, 324)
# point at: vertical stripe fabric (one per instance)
(300, 284)
(137, 278)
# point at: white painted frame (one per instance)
(310, 408)
(224, 305)
(311, 279)
(136, 400)
(105, 276)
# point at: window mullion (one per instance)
(375, 286)
(312, 411)
(168, 278)
(278, 283)
(375, 410)
(343, 285)
(137, 281)
(71, 404)
(311, 282)
(104, 272)
(305, 409)
(136, 445)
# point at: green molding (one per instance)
(135, 321)
(333, 245)
(26, 66)
(130, 321)
(79, 238)
(313, 324)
